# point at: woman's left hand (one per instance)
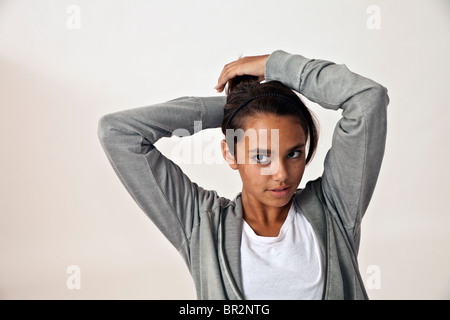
(254, 66)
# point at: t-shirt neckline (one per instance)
(270, 240)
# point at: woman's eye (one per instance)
(262, 158)
(295, 154)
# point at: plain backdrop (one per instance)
(64, 64)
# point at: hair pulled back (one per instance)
(277, 99)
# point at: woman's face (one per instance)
(270, 158)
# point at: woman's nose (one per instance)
(279, 170)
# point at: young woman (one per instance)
(272, 241)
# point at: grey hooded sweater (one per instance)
(205, 228)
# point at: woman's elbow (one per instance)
(381, 95)
(106, 124)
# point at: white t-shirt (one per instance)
(289, 266)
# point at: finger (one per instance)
(228, 72)
(222, 81)
(223, 76)
(219, 81)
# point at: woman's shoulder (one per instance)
(310, 199)
(221, 212)
(311, 186)
(211, 201)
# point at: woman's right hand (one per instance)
(254, 66)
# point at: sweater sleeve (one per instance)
(159, 186)
(353, 162)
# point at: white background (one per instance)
(61, 203)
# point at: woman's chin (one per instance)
(278, 201)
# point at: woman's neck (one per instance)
(265, 220)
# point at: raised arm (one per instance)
(158, 185)
(353, 163)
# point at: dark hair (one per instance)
(276, 98)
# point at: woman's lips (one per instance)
(279, 192)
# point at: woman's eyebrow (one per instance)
(258, 150)
(298, 146)
(266, 151)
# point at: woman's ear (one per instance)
(228, 156)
